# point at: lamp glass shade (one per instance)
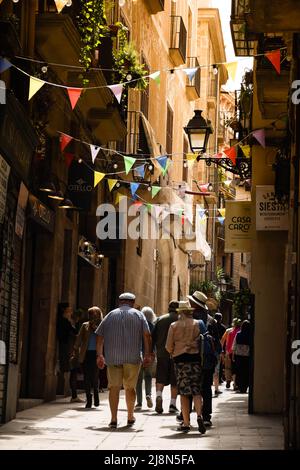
(198, 131)
(58, 196)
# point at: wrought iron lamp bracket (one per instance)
(241, 168)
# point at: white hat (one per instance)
(199, 298)
(184, 306)
(127, 296)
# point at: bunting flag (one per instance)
(60, 4)
(98, 177)
(246, 149)
(202, 213)
(4, 65)
(222, 212)
(232, 69)
(133, 188)
(231, 153)
(205, 187)
(117, 91)
(137, 203)
(156, 77)
(111, 183)
(221, 220)
(163, 161)
(274, 58)
(140, 170)
(190, 72)
(64, 140)
(69, 157)
(129, 162)
(164, 170)
(118, 198)
(260, 137)
(227, 182)
(155, 190)
(149, 207)
(94, 151)
(34, 85)
(74, 95)
(191, 157)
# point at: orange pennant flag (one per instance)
(64, 140)
(74, 95)
(274, 58)
(231, 153)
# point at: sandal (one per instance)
(113, 425)
(130, 422)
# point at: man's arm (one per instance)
(99, 351)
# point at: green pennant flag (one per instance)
(155, 190)
(129, 162)
(149, 206)
(164, 170)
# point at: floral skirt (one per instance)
(188, 375)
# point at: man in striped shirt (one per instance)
(121, 334)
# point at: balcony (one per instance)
(243, 40)
(154, 6)
(178, 40)
(193, 86)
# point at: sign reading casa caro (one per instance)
(238, 227)
(270, 214)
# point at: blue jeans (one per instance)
(146, 374)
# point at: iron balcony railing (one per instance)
(243, 41)
(178, 36)
(192, 62)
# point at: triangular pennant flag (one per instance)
(64, 140)
(129, 162)
(246, 149)
(232, 69)
(231, 153)
(149, 206)
(94, 151)
(260, 137)
(191, 157)
(98, 177)
(4, 64)
(155, 190)
(134, 187)
(190, 72)
(227, 182)
(117, 91)
(34, 85)
(119, 197)
(221, 220)
(74, 95)
(69, 157)
(140, 170)
(202, 213)
(156, 77)
(60, 4)
(111, 183)
(162, 161)
(274, 58)
(164, 170)
(222, 212)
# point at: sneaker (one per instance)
(149, 402)
(76, 400)
(207, 423)
(201, 426)
(173, 409)
(158, 405)
(138, 407)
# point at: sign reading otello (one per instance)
(270, 214)
(238, 227)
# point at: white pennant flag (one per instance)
(117, 91)
(94, 151)
(190, 72)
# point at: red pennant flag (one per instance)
(231, 153)
(74, 95)
(64, 140)
(274, 58)
(69, 157)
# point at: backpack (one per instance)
(207, 350)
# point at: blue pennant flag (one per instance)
(140, 170)
(221, 220)
(134, 187)
(202, 213)
(4, 64)
(162, 161)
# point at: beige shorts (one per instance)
(125, 374)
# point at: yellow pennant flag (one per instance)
(246, 150)
(231, 69)
(119, 198)
(34, 85)
(111, 183)
(222, 212)
(191, 157)
(60, 4)
(98, 177)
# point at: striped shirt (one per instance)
(122, 330)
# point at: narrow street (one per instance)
(63, 425)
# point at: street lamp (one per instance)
(198, 132)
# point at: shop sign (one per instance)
(270, 214)
(4, 174)
(40, 213)
(238, 227)
(80, 185)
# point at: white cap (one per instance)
(127, 296)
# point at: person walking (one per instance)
(145, 372)
(221, 330)
(121, 335)
(183, 344)
(241, 356)
(165, 371)
(227, 343)
(85, 348)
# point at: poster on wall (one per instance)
(4, 174)
(20, 216)
(270, 214)
(238, 227)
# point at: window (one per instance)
(169, 136)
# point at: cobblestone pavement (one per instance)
(64, 425)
